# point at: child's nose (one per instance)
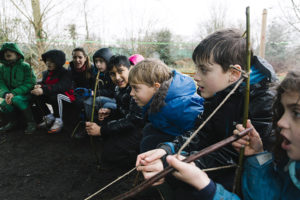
(283, 121)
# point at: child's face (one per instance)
(51, 65)
(10, 55)
(78, 59)
(142, 93)
(119, 75)
(289, 124)
(211, 78)
(100, 64)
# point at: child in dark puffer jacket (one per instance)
(56, 80)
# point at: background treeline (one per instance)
(35, 26)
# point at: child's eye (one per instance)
(112, 74)
(296, 114)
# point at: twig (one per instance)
(110, 184)
(147, 183)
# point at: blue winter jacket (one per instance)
(262, 180)
(182, 106)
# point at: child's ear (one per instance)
(235, 73)
(157, 85)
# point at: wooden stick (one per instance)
(92, 119)
(238, 172)
(147, 183)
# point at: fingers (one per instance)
(156, 155)
(142, 157)
(174, 162)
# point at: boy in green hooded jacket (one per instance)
(16, 81)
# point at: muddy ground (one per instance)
(54, 166)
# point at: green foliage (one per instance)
(163, 48)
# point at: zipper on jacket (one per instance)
(10, 77)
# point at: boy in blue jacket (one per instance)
(168, 98)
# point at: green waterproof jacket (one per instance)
(17, 78)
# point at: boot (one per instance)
(11, 122)
(31, 124)
(8, 127)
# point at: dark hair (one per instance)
(88, 71)
(225, 47)
(291, 83)
(118, 61)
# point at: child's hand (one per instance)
(152, 169)
(188, 172)
(8, 98)
(37, 91)
(37, 86)
(103, 113)
(92, 129)
(149, 156)
(150, 164)
(252, 141)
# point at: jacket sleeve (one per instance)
(259, 180)
(3, 88)
(130, 121)
(221, 157)
(64, 84)
(29, 81)
(260, 113)
(182, 113)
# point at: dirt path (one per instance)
(43, 166)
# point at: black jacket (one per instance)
(128, 116)
(80, 79)
(61, 79)
(106, 87)
(222, 124)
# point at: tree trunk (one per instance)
(38, 27)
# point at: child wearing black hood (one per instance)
(56, 80)
(105, 90)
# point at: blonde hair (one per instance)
(149, 72)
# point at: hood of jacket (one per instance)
(57, 56)
(171, 89)
(261, 70)
(104, 53)
(12, 47)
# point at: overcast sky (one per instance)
(111, 19)
(120, 17)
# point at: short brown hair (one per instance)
(148, 72)
(225, 47)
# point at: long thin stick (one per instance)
(147, 183)
(92, 118)
(238, 174)
(110, 184)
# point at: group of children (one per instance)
(142, 107)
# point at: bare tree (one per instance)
(291, 13)
(216, 21)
